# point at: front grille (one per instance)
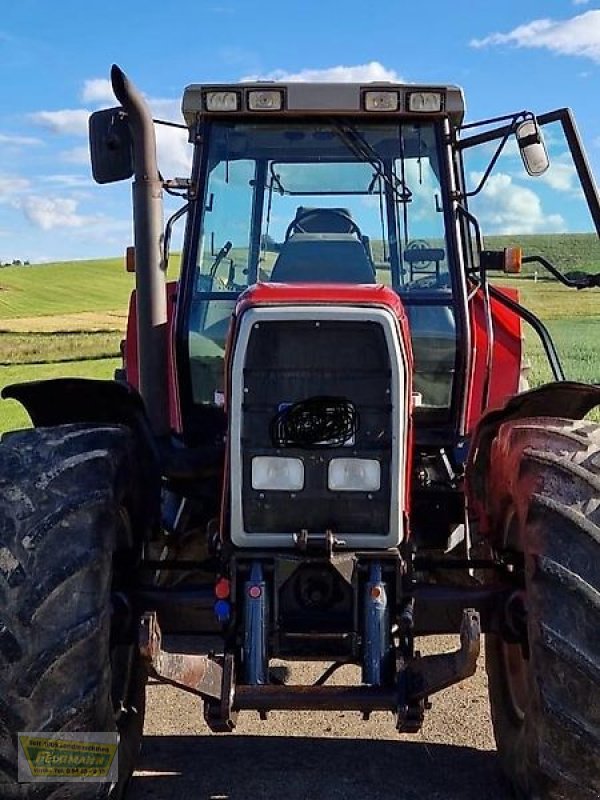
(288, 361)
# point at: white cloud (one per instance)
(53, 212)
(69, 121)
(359, 73)
(98, 90)
(506, 207)
(578, 36)
(66, 181)
(174, 152)
(18, 141)
(74, 121)
(562, 175)
(76, 155)
(165, 108)
(580, 2)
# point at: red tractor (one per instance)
(295, 456)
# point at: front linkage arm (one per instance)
(212, 678)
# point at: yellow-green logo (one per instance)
(67, 756)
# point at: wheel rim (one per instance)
(515, 671)
(122, 656)
(515, 665)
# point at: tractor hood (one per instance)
(319, 403)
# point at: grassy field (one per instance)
(42, 347)
(577, 345)
(55, 289)
(573, 320)
(58, 320)
(68, 319)
(12, 415)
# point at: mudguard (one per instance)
(59, 401)
(564, 399)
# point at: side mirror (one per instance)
(111, 147)
(532, 147)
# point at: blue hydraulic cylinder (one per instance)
(377, 633)
(255, 658)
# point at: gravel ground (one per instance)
(321, 756)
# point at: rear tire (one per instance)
(71, 519)
(545, 694)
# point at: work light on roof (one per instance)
(382, 101)
(222, 101)
(265, 100)
(427, 102)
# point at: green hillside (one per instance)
(60, 319)
(68, 318)
(575, 251)
(64, 288)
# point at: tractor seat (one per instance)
(323, 258)
(324, 220)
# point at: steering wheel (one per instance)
(296, 226)
(425, 272)
(420, 244)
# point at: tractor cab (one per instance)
(319, 448)
(300, 184)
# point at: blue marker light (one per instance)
(222, 611)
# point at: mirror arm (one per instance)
(480, 123)
(586, 282)
(495, 133)
(590, 190)
(490, 166)
(168, 232)
(489, 136)
(169, 124)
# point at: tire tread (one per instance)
(553, 753)
(58, 495)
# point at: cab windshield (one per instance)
(369, 197)
(322, 202)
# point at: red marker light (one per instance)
(254, 592)
(222, 589)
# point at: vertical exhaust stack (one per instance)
(150, 269)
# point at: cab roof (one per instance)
(301, 99)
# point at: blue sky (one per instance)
(55, 59)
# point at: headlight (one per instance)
(354, 475)
(277, 474)
(382, 101)
(222, 101)
(265, 100)
(425, 101)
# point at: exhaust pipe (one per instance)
(152, 334)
